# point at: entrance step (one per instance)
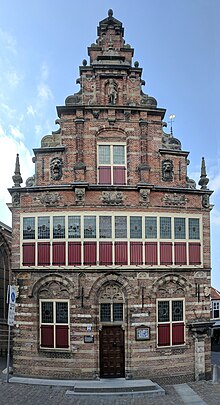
(117, 386)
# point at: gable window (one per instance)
(215, 309)
(170, 322)
(54, 324)
(111, 164)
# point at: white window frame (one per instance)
(215, 307)
(112, 164)
(170, 300)
(54, 323)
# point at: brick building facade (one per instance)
(5, 271)
(111, 239)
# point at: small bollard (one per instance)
(215, 374)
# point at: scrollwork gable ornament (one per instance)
(49, 199)
(112, 198)
(176, 200)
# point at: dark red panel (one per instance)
(90, 254)
(164, 334)
(59, 253)
(136, 253)
(180, 252)
(118, 175)
(178, 333)
(151, 253)
(62, 336)
(47, 337)
(121, 253)
(166, 253)
(105, 253)
(28, 254)
(74, 253)
(104, 175)
(194, 253)
(43, 254)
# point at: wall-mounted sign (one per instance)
(142, 333)
(89, 339)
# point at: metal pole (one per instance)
(8, 353)
(215, 374)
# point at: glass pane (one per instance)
(104, 154)
(165, 228)
(58, 227)
(43, 227)
(177, 310)
(61, 312)
(74, 227)
(117, 312)
(121, 227)
(163, 311)
(193, 228)
(105, 227)
(179, 228)
(90, 227)
(47, 312)
(118, 155)
(150, 227)
(135, 227)
(28, 228)
(105, 312)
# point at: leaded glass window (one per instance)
(165, 228)
(177, 311)
(29, 228)
(120, 227)
(163, 311)
(136, 227)
(179, 228)
(44, 227)
(105, 227)
(193, 228)
(74, 227)
(105, 312)
(47, 312)
(118, 155)
(61, 312)
(151, 227)
(117, 312)
(104, 154)
(89, 227)
(58, 227)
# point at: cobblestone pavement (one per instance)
(38, 395)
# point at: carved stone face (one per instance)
(56, 165)
(167, 170)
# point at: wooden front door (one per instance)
(112, 352)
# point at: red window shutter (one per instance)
(28, 254)
(180, 252)
(90, 253)
(105, 253)
(151, 253)
(178, 333)
(59, 253)
(104, 175)
(136, 253)
(118, 175)
(164, 334)
(62, 336)
(74, 253)
(47, 337)
(121, 253)
(43, 254)
(166, 253)
(194, 253)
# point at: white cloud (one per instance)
(8, 41)
(31, 111)
(44, 92)
(16, 133)
(38, 129)
(9, 148)
(13, 78)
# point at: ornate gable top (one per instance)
(110, 21)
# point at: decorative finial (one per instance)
(17, 179)
(110, 12)
(203, 177)
(171, 117)
(84, 62)
(136, 64)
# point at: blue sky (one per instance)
(43, 42)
